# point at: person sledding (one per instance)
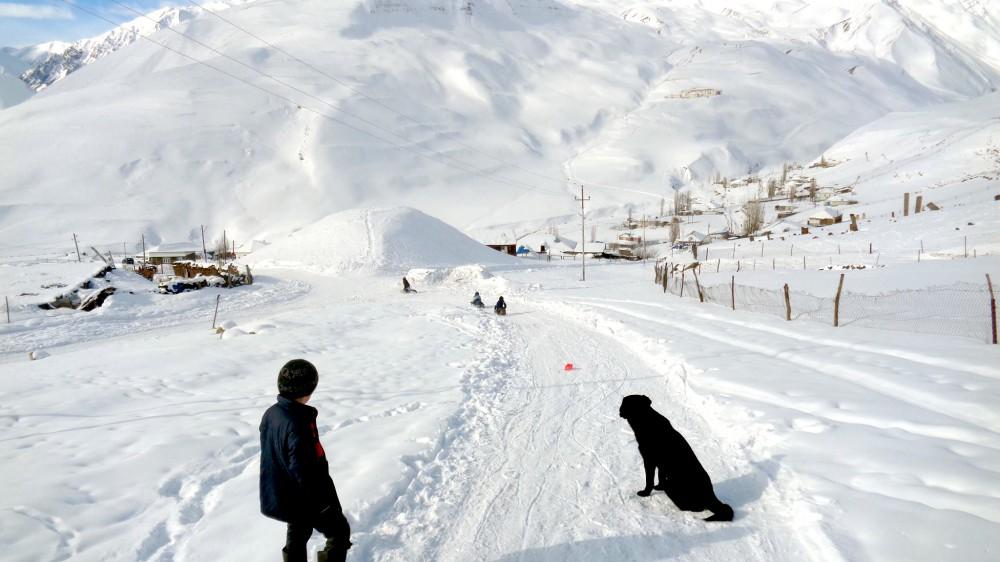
(407, 288)
(477, 301)
(500, 307)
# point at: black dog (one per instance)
(661, 447)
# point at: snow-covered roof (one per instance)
(695, 235)
(825, 213)
(175, 248)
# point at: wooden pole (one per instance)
(682, 282)
(869, 248)
(993, 307)
(788, 304)
(6, 303)
(906, 204)
(718, 264)
(732, 290)
(803, 262)
(734, 250)
(204, 250)
(773, 266)
(701, 296)
(77, 247)
(143, 248)
(737, 266)
(761, 248)
(216, 315)
(919, 205)
(836, 302)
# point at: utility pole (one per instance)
(644, 239)
(204, 251)
(77, 247)
(143, 248)
(583, 231)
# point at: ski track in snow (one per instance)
(497, 487)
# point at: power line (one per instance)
(400, 113)
(430, 156)
(284, 83)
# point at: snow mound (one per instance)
(392, 240)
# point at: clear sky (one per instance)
(27, 22)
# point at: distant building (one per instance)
(825, 216)
(695, 238)
(169, 253)
(510, 249)
(626, 246)
(785, 211)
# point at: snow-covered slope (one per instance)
(376, 241)
(60, 63)
(480, 112)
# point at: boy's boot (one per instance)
(332, 552)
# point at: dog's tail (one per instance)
(720, 512)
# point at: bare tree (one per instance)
(791, 192)
(784, 174)
(812, 190)
(682, 202)
(772, 188)
(675, 229)
(753, 217)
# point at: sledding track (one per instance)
(538, 466)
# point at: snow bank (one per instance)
(380, 241)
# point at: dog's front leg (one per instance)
(650, 468)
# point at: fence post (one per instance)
(665, 279)
(216, 315)
(697, 284)
(682, 283)
(803, 262)
(773, 267)
(993, 307)
(732, 290)
(6, 304)
(788, 304)
(836, 302)
(718, 264)
(906, 204)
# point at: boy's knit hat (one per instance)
(297, 378)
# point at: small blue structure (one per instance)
(523, 250)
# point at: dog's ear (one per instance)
(644, 400)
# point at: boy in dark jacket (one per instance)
(295, 483)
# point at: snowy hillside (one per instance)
(380, 241)
(481, 112)
(57, 66)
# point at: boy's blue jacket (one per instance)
(295, 483)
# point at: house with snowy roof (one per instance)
(171, 252)
(825, 216)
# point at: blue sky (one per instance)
(27, 22)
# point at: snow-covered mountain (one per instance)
(481, 112)
(62, 59)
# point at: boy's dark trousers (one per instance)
(337, 533)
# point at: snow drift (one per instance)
(381, 241)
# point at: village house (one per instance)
(825, 216)
(169, 253)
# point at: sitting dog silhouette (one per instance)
(663, 448)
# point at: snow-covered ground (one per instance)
(457, 435)
(130, 432)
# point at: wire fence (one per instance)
(962, 309)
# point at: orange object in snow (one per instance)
(568, 367)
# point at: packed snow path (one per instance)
(539, 466)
